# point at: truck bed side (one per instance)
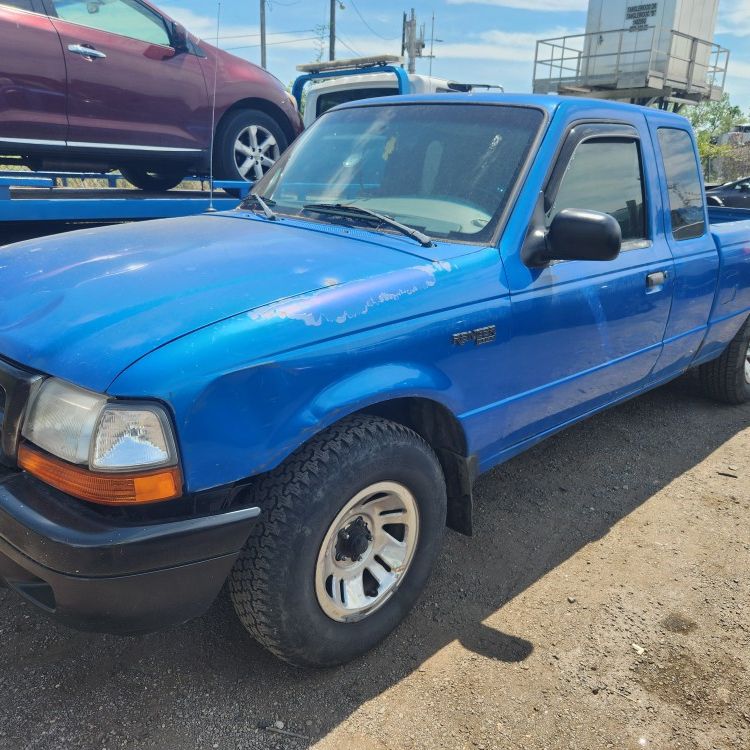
(730, 228)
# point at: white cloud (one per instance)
(503, 46)
(535, 5)
(734, 18)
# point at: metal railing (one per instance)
(622, 58)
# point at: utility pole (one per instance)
(263, 33)
(411, 41)
(412, 44)
(432, 42)
(403, 37)
(332, 32)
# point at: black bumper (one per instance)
(97, 573)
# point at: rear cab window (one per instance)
(686, 203)
(330, 99)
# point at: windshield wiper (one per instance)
(357, 212)
(261, 202)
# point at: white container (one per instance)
(647, 52)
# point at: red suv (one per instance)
(95, 85)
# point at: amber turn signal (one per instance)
(105, 489)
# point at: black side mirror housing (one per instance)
(575, 234)
(579, 234)
(180, 38)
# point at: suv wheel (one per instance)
(157, 181)
(350, 527)
(248, 143)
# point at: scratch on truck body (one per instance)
(346, 302)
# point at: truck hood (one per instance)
(85, 305)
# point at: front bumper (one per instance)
(109, 575)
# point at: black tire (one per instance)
(273, 582)
(155, 181)
(726, 379)
(225, 163)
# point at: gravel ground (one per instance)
(603, 603)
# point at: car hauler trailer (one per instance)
(39, 203)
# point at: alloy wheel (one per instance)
(255, 152)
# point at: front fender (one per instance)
(227, 435)
(247, 391)
(377, 384)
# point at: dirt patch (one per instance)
(710, 684)
(676, 623)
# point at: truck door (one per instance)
(696, 256)
(127, 86)
(32, 77)
(588, 332)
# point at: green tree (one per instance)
(715, 118)
(711, 120)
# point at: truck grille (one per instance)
(16, 386)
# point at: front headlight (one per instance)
(85, 428)
(290, 96)
(61, 420)
(113, 452)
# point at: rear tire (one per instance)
(727, 379)
(248, 143)
(155, 181)
(281, 585)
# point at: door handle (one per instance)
(84, 51)
(657, 278)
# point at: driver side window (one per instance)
(124, 17)
(605, 174)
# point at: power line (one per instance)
(270, 33)
(272, 44)
(349, 47)
(362, 18)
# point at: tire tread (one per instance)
(279, 495)
(722, 379)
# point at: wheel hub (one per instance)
(255, 152)
(353, 541)
(366, 551)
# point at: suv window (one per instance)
(604, 174)
(21, 4)
(123, 17)
(683, 183)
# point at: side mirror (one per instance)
(575, 234)
(179, 38)
(579, 234)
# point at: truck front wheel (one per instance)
(351, 525)
(727, 378)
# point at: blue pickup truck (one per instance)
(294, 398)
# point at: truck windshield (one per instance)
(446, 170)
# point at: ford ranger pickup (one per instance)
(294, 398)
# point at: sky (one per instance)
(480, 41)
